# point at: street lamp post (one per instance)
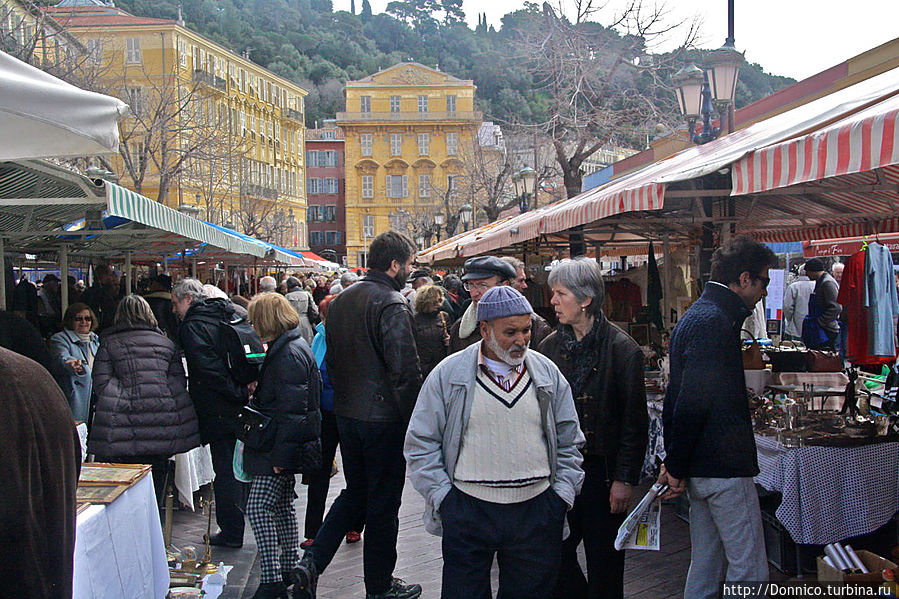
(704, 92)
(524, 182)
(465, 213)
(438, 223)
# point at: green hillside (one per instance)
(307, 42)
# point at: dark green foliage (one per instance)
(307, 42)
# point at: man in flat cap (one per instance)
(483, 273)
(492, 446)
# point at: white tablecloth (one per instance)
(831, 493)
(192, 470)
(119, 551)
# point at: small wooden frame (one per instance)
(99, 494)
(111, 474)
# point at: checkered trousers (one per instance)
(271, 514)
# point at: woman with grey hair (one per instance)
(143, 413)
(604, 367)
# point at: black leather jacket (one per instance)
(216, 395)
(612, 406)
(372, 358)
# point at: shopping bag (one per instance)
(237, 464)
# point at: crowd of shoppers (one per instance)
(524, 441)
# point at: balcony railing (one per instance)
(295, 115)
(367, 117)
(259, 191)
(204, 78)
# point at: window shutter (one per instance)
(388, 187)
(405, 186)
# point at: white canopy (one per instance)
(42, 116)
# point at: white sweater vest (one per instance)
(503, 457)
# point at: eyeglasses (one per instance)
(84, 318)
(470, 286)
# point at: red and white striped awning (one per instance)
(644, 190)
(862, 142)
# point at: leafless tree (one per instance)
(602, 81)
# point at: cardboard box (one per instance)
(874, 563)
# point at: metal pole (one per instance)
(730, 23)
(128, 272)
(193, 268)
(64, 275)
(3, 277)
(666, 286)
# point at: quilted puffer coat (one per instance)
(289, 392)
(142, 404)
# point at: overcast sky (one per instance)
(796, 38)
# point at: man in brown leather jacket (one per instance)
(373, 365)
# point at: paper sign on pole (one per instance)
(774, 303)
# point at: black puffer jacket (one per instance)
(289, 391)
(216, 395)
(612, 403)
(142, 404)
(372, 358)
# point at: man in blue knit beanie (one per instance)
(493, 447)
(707, 424)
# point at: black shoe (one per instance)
(305, 578)
(219, 540)
(398, 590)
(271, 590)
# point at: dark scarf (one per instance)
(581, 353)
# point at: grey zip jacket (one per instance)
(441, 414)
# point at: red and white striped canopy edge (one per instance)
(867, 140)
(825, 232)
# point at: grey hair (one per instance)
(515, 262)
(582, 277)
(348, 278)
(213, 291)
(267, 284)
(335, 289)
(134, 310)
(189, 288)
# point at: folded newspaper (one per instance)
(641, 529)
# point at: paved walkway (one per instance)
(648, 574)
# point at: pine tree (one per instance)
(366, 11)
(352, 7)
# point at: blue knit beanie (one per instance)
(502, 301)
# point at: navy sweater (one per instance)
(707, 423)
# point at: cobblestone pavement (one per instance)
(648, 574)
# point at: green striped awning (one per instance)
(125, 203)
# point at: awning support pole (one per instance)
(667, 286)
(64, 275)
(128, 272)
(193, 268)
(3, 277)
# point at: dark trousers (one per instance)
(320, 481)
(230, 493)
(591, 521)
(375, 472)
(526, 538)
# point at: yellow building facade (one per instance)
(209, 131)
(406, 130)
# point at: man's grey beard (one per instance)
(505, 355)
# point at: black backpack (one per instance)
(241, 349)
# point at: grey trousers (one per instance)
(726, 534)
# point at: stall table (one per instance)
(119, 551)
(831, 493)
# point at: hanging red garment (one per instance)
(626, 300)
(851, 297)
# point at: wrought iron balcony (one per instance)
(204, 78)
(258, 191)
(368, 117)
